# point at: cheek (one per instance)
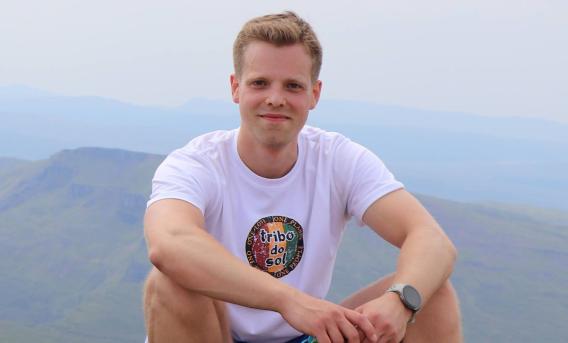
(298, 100)
(252, 99)
(302, 104)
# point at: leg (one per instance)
(438, 321)
(173, 314)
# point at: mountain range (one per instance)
(456, 156)
(73, 258)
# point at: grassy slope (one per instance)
(72, 248)
(509, 274)
(73, 260)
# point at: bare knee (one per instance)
(158, 289)
(175, 314)
(439, 320)
(163, 294)
(450, 295)
(444, 300)
(446, 290)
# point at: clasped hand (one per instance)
(381, 320)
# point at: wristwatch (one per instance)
(409, 297)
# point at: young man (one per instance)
(243, 226)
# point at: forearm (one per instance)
(180, 248)
(198, 262)
(426, 261)
(427, 255)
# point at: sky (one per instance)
(488, 57)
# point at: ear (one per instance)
(316, 92)
(234, 88)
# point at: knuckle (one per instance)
(357, 316)
(336, 315)
(389, 329)
(375, 317)
(320, 324)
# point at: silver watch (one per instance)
(409, 296)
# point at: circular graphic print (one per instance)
(275, 245)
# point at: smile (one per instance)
(274, 117)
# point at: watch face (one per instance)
(412, 297)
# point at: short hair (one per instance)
(280, 29)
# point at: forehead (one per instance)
(265, 59)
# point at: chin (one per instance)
(274, 142)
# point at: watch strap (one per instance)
(398, 288)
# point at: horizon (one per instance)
(48, 93)
(519, 159)
(498, 59)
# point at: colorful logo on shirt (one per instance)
(275, 245)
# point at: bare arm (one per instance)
(425, 261)
(180, 248)
(426, 254)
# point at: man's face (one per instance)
(275, 93)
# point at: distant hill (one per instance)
(73, 258)
(72, 253)
(7, 165)
(510, 275)
(456, 156)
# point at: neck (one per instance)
(268, 162)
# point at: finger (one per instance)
(349, 331)
(335, 334)
(323, 338)
(388, 333)
(361, 334)
(366, 340)
(385, 339)
(363, 324)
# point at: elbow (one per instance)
(155, 248)
(452, 252)
(155, 257)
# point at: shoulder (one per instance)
(321, 139)
(209, 142)
(200, 156)
(192, 173)
(334, 145)
(204, 148)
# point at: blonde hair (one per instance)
(280, 29)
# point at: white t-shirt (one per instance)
(289, 227)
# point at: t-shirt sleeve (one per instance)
(184, 176)
(364, 177)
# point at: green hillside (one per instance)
(8, 170)
(511, 274)
(7, 164)
(71, 247)
(73, 259)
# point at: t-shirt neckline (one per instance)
(257, 179)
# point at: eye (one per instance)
(294, 86)
(258, 83)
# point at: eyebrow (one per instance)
(301, 83)
(288, 80)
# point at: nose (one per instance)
(275, 99)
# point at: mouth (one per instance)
(274, 117)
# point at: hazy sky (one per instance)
(491, 57)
